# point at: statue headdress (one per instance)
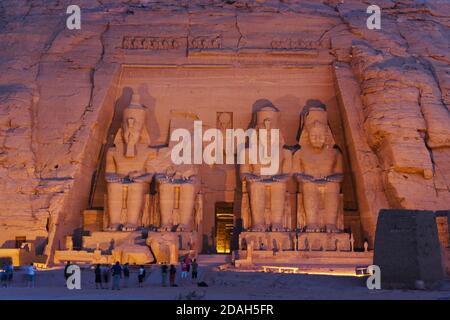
(138, 111)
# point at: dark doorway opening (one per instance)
(224, 222)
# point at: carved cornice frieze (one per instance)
(205, 42)
(150, 43)
(289, 43)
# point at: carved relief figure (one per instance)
(318, 166)
(128, 169)
(266, 192)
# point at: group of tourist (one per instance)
(117, 272)
(7, 272)
(103, 273)
(186, 265)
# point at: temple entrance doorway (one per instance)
(224, 224)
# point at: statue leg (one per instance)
(166, 204)
(277, 199)
(187, 201)
(331, 206)
(257, 205)
(115, 191)
(311, 202)
(135, 203)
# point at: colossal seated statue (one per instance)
(267, 192)
(128, 169)
(177, 190)
(179, 202)
(318, 166)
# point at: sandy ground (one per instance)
(223, 285)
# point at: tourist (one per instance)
(105, 274)
(98, 277)
(141, 275)
(164, 269)
(116, 275)
(262, 247)
(194, 269)
(3, 276)
(31, 275)
(126, 274)
(66, 272)
(10, 273)
(172, 273)
(184, 272)
(187, 261)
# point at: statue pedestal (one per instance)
(270, 240)
(108, 240)
(306, 241)
(109, 247)
(314, 241)
(319, 251)
(168, 247)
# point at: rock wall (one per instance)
(58, 91)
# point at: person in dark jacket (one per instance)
(126, 274)
(141, 275)
(164, 270)
(98, 277)
(172, 274)
(105, 276)
(116, 275)
(194, 269)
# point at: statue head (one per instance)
(224, 120)
(267, 117)
(314, 125)
(133, 129)
(317, 135)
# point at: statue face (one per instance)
(131, 131)
(267, 123)
(317, 137)
(224, 121)
(131, 128)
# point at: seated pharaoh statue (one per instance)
(128, 169)
(318, 166)
(266, 188)
(177, 186)
(176, 189)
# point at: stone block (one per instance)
(93, 220)
(407, 248)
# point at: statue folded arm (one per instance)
(246, 170)
(338, 174)
(146, 175)
(111, 174)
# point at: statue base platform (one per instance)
(109, 247)
(305, 259)
(168, 247)
(108, 240)
(298, 252)
(285, 241)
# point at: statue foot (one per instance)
(258, 228)
(113, 227)
(277, 227)
(331, 228)
(313, 228)
(166, 227)
(129, 227)
(182, 227)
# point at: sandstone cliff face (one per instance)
(57, 91)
